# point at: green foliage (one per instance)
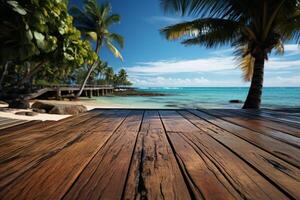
(94, 21)
(102, 75)
(33, 32)
(121, 78)
(250, 26)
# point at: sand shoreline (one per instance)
(89, 104)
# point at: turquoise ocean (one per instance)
(205, 97)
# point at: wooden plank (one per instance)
(154, 172)
(12, 144)
(14, 165)
(258, 126)
(19, 127)
(280, 149)
(40, 127)
(278, 118)
(279, 126)
(279, 172)
(12, 123)
(105, 176)
(54, 174)
(287, 116)
(199, 171)
(247, 181)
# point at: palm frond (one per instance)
(279, 47)
(117, 38)
(207, 31)
(112, 19)
(92, 35)
(247, 67)
(114, 50)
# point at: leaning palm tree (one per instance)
(94, 22)
(253, 27)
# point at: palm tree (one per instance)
(253, 27)
(109, 75)
(94, 22)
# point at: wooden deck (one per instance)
(154, 154)
(7, 122)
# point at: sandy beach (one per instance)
(10, 112)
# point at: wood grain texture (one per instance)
(39, 161)
(247, 181)
(280, 149)
(154, 172)
(205, 182)
(20, 127)
(264, 122)
(105, 175)
(13, 143)
(284, 175)
(274, 116)
(153, 154)
(261, 126)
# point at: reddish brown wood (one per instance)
(203, 180)
(280, 149)
(261, 126)
(31, 156)
(247, 181)
(283, 127)
(152, 154)
(105, 175)
(284, 175)
(154, 172)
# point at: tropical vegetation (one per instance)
(252, 27)
(41, 45)
(94, 21)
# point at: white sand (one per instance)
(10, 113)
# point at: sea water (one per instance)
(205, 97)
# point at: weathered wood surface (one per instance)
(153, 154)
(6, 123)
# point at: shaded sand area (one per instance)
(10, 112)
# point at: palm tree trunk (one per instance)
(91, 69)
(4, 73)
(253, 100)
(27, 77)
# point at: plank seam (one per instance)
(252, 166)
(132, 155)
(87, 163)
(178, 161)
(252, 143)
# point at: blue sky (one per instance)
(153, 61)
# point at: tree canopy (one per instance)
(252, 27)
(39, 44)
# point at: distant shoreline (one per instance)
(136, 92)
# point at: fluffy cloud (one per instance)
(215, 70)
(183, 82)
(278, 81)
(211, 64)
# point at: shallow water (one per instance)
(205, 97)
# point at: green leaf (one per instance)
(17, 7)
(38, 36)
(29, 35)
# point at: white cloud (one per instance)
(184, 82)
(277, 81)
(292, 48)
(292, 81)
(211, 64)
(215, 70)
